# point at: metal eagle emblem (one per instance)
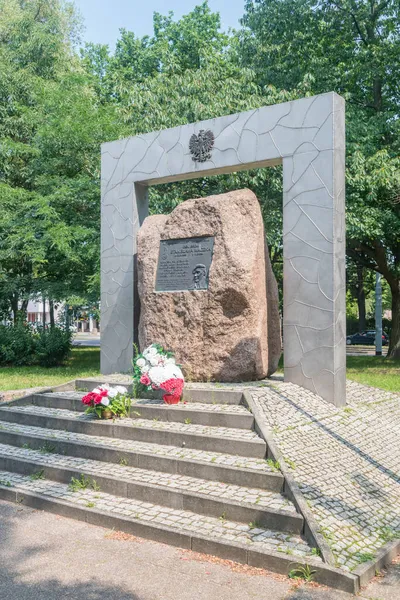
(200, 146)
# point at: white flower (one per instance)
(160, 374)
(140, 362)
(151, 351)
(154, 360)
(157, 375)
(105, 401)
(97, 390)
(145, 369)
(121, 389)
(170, 361)
(172, 371)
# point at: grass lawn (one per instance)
(83, 362)
(375, 371)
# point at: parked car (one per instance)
(366, 338)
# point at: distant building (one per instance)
(35, 311)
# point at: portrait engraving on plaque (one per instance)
(184, 264)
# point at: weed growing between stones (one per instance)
(290, 463)
(47, 448)
(273, 464)
(37, 475)
(83, 483)
(364, 557)
(304, 572)
(255, 525)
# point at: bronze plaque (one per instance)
(184, 264)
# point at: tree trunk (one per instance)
(51, 309)
(394, 344)
(24, 308)
(14, 307)
(361, 298)
(44, 313)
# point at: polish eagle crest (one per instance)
(200, 145)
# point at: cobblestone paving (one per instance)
(191, 428)
(224, 491)
(238, 533)
(345, 460)
(217, 458)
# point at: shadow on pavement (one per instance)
(19, 579)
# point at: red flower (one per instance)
(145, 379)
(174, 388)
(98, 398)
(89, 398)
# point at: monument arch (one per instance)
(307, 137)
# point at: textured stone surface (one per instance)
(205, 456)
(345, 461)
(254, 537)
(307, 137)
(228, 332)
(172, 426)
(213, 489)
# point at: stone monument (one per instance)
(207, 290)
(306, 137)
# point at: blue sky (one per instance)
(104, 18)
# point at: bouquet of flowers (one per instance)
(156, 369)
(107, 402)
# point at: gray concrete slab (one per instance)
(47, 557)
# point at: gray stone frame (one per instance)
(307, 136)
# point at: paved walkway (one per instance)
(47, 557)
(345, 460)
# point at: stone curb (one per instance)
(154, 462)
(23, 400)
(272, 561)
(384, 557)
(163, 495)
(311, 528)
(249, 448)
(160, 412)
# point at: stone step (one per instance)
(191, 393)
(248, 543)
(232, 502)
(214, 466)
(214, 415)
(216, 439)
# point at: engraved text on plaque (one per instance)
(184, 264)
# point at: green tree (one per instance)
(352, 47)
(156, 82)
(51, 127)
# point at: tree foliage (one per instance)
(58, 104)
(353, 48)
(51, 126)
